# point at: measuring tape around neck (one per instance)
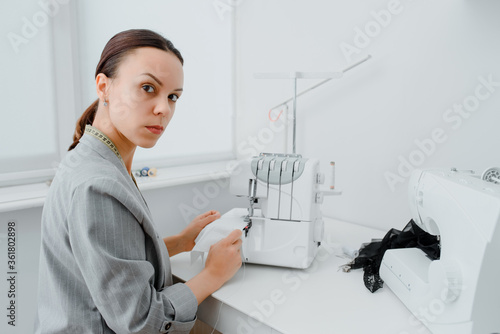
(102, 137)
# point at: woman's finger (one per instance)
(234, 236)
(208, 214)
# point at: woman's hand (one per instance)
(224, 257)
(223, 261)
(184, 241)
(189, 234)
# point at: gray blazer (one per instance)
(103, 267)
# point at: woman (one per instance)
(103, 267)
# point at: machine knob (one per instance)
(445, 278)
(296, 166)
(491, 175)
(272, 164)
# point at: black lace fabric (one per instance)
(371, 254)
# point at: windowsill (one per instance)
(33, 195)
(175, 176)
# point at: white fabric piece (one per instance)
(216, 231)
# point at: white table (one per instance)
(321, 299)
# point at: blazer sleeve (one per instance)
(109, 247)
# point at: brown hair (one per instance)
(114, 52)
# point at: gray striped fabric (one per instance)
(103, 267)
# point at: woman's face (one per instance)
(143, 94)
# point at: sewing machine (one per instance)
(283, 220)
(459, 293)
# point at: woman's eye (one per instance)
(173, 97)
(148, 88)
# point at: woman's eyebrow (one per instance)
(154, 78)
(158, 80)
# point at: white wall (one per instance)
(427, 57)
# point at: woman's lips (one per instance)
(156, 129)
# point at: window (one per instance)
(28, 132)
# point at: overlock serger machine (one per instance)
(284, 226)
(283, 222)
(459, 293)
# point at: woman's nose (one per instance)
(163, 107)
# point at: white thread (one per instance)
(222, 303)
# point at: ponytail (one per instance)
(87, 118)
